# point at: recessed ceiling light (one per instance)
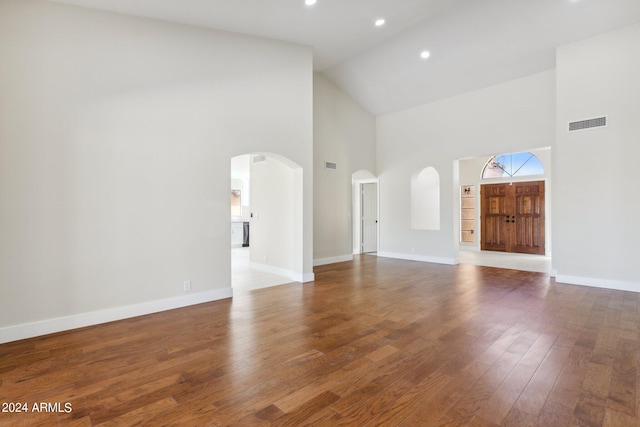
(380, 22)
(309, 2)
(425, 54)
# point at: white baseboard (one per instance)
(599, 283)
(274, 270)
(59, 324)
(332, 260)
(295, 277)
(414, 257)
(469, 247)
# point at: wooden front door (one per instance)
(512, 217)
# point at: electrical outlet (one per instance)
(187, 285)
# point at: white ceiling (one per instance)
(473, 43)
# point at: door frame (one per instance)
(362, 218)
(295, 253)
(357, 213)
(547, 206)
(471, 174)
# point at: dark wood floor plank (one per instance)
(307, 410)
(555, 414)
(566, 390)
(469, 405)
(615, 418)
(535, 394)
(407, 404)
(431, 409)
(499, 404)
(373, 342)
(622, 391)
(297, 396)
(136, 416)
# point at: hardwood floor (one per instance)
(374, 342)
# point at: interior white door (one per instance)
(369, 194)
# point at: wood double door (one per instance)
(512, 217)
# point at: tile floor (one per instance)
(524, 262)
(245, 278)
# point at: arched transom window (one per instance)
(512, 165)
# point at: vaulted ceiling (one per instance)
(472, 43)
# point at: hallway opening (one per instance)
(265, 221)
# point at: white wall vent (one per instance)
(330, 165)
(259, 158)
(588, 124)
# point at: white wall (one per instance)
(596, 171)
(272, 207)
(116, 135)
(514, 116)
(343, 133)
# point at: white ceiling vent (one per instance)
(259, 158)
(588, 124)
(330, 165)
